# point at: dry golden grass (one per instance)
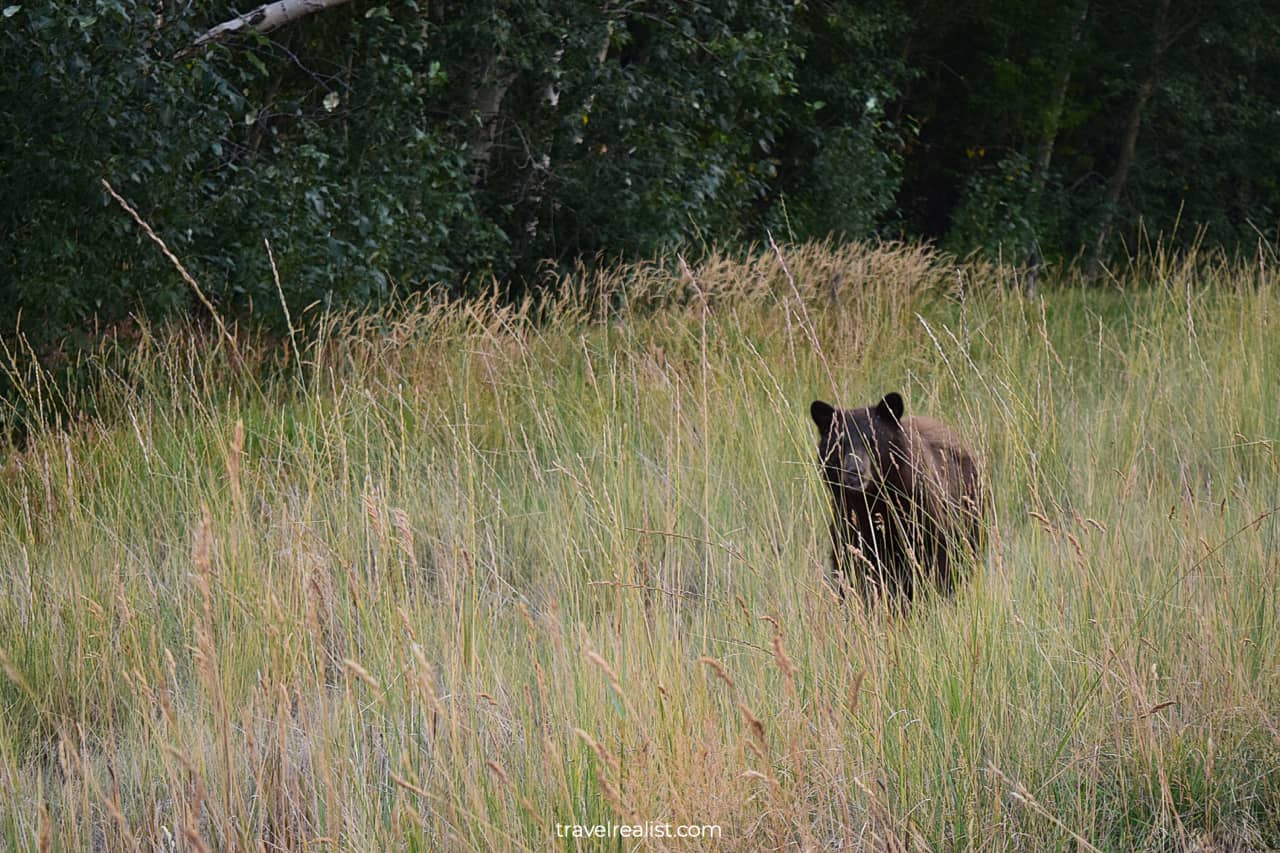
(465, 572)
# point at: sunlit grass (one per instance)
(461, 576)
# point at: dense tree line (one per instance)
(385, 145)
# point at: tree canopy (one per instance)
(383, 145)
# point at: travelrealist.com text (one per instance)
(636, 830)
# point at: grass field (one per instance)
(460, 574)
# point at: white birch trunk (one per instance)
(266, 18)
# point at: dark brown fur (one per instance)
(907, 499)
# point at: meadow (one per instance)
(449, 576)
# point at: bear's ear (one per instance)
(821, 413)
(891, 406)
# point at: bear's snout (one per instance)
(855, 471)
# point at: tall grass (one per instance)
(466, 572)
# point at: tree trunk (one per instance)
(532, 190)
(264, 19)
(1129, 142)
(484, 106)
(1044, 154)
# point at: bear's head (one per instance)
(859, 448)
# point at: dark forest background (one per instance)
(387, 147)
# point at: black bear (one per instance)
(907, 498)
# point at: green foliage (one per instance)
(1212, 161)
(993, 213)
(665, 129)
(1006, 213)
(990, 94)
(375, 146)
(395, 146)
(84, 97)
(841, 169)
